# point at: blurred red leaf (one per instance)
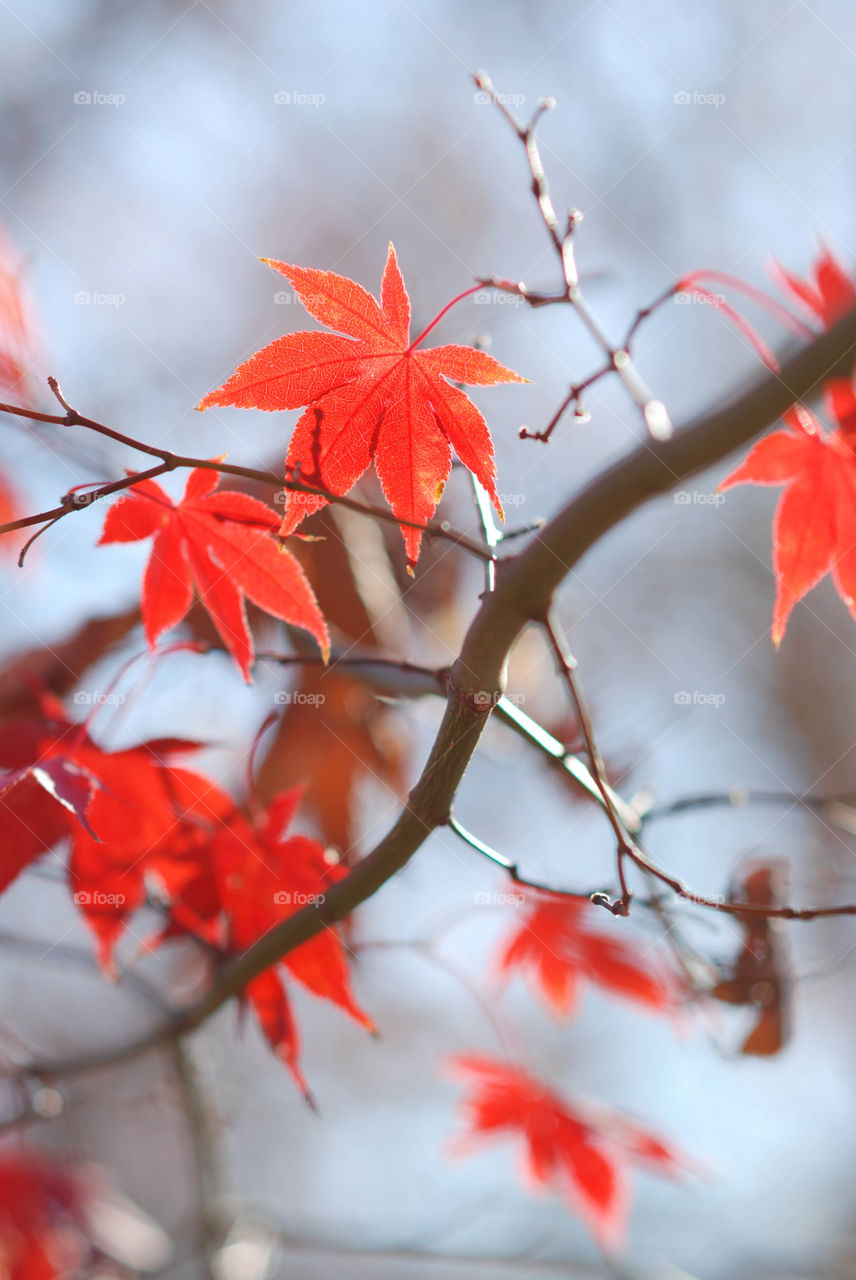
(41, 1206)
(828, 294)
(579, 1151)
(254, 876)
(556, 948)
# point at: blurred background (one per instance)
(151, 155)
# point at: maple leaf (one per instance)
(221, 544)
(41, 1212)
(153, 824)
(581, 1151)
(556, 948)
(257, 875)
(760, 976)
(828, 295)
(16, 325)
(372, 396)
(39, 753)
(814, 528)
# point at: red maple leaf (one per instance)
(254, 876)
(40, 753)
(221, 544)
(581, 1151)
(814, 528)
(153, 824)
(41, 1212)
(828, 295)
(16, 325)
(129, 814)
(555, 947)
(372, 397)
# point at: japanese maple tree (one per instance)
(258, 879)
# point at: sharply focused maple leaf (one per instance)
(581, 1151)
(814, 528)
(254, 876)
(221, 544)
(555, 946)
(372, 396)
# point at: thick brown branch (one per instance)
(525, 587)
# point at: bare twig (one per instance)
(561, 237)
(170, 461)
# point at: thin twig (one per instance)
(567, 665)
(512, 869)
(170, 461)
(618, 359)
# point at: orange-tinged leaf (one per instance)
(372, 395)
